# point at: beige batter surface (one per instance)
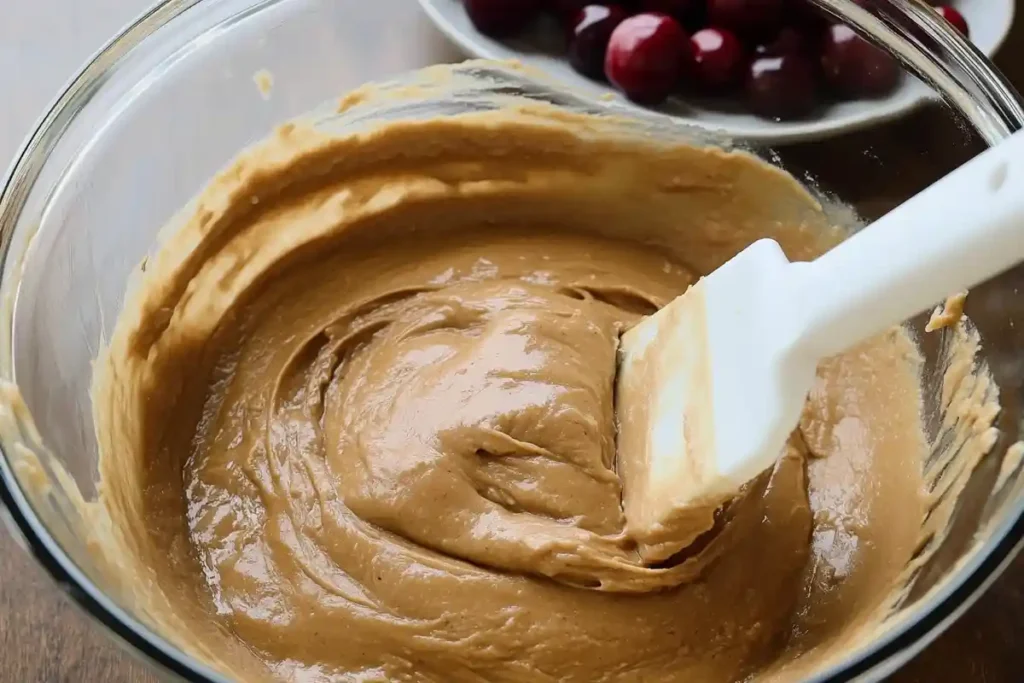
(357, 418)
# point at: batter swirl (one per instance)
(358, 415)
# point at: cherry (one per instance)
(788, 41)
(647, 55)
(589, 34)
(781, 87)
(501, 18)
(853, 67)
(749, 18)
(953, 16)
(717, 58)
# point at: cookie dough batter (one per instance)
(357, 418)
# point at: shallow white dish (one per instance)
(989, 20)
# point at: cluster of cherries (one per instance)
(781, 54)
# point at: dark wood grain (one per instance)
(46, 639)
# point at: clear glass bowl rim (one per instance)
(973, 87)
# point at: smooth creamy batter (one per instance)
(357, 418)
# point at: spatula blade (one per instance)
(707, 392)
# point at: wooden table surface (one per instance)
(46, 639)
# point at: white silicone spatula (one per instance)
(710, 387)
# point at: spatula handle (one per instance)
(961, 231)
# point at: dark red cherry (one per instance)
(718, 58)
(788, 41)
(647, 55)
(853, 67)
(501, 18)
(751, 19)
(781, 87)
(589, 34)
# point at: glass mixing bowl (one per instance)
(168, 102)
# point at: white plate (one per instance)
(989, 21)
